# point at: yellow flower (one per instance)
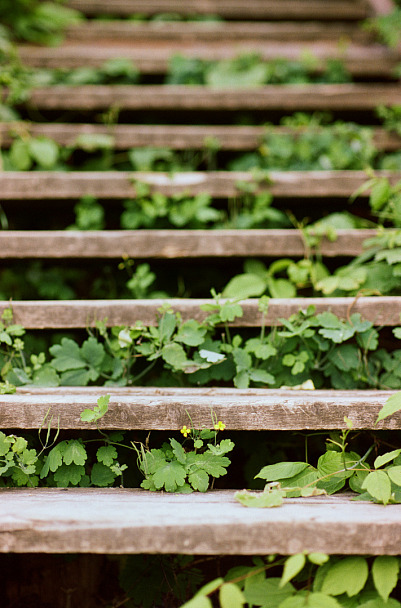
(220, 426)
(185, 431)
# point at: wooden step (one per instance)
(360, 60)
(173, 244)
(69, 314)
(168, 408)
(212, 31)
(180, 137)
(285, 98)
(253, 9)
(54, 185)
(118, 521)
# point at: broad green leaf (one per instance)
(318, 558)
(260, 375)
(5, 443)
(385, 570)
(395, 474)
(231, 596)
(191, 333)
(244, 286)
(392, 405)
(199, 601)
(260, 500)
(378, 485)
(211, 356)
(170, 476)
(311, 600)
(229, 311)
(102, 475)
(167, 326)
(53, 460)
(346, 576)
(209, 588)
(44, 151)
(380, 603)
(46, 376)
(178, 451)
(199, 480)
(67, 356)
(93, 352)
(174, 355)
(281, 470)
(75, 452)
(107, 454)
(241, 379)
(385, 458)
(67, 474)
(267, 593)
(20, 156)
(213, 464)
(293, 565)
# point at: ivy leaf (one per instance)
(75, 452)
(67, 474)
(378, 485)
(385, 570)
(102, 475)
(107, 454)
(231, 596)
(346, 576)
(170, 475)
(293, 565)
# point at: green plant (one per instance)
(312, 580)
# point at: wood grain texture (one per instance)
(209, 31)
(173, 244)
(367, 60)
(286, 98)
(67, 314)
(53, 185)
(180, 137)
(253, 9)
(118, 521)
(168, 409)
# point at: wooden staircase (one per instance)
(123, 521)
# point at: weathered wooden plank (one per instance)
(118, 521)
(172, 244)
(361, 60)
(168, 409)
(68, 314)
(221, 184)
(254, 9)
(180, 137)
(286, 98)
(215, 30)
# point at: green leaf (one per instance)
(292, 566)
(74, 452)
(53, 460)
(385, 570)
(19, 155)
(380, 603)
(210, 587)
(107, 454)
(199, 480)
(395, 474)
(229, 311)
(44, 151)
(213, 464)
(5, 443)
(101, 475)
(211, 356)
(346, 576)
(169, 475)
(174, 355)
(260, 500)
(392, 405)
(67, 356)
(378, 485)
(244, 286)
(191, 333)
(93, 352)
(231, 596)
(67, 474)
(267, 592)
(385, 458)
(281, 470)
(178, 451)
(318, 558)
(311, 600)
(199, 601)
